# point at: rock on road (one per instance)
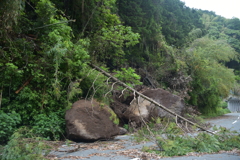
(123, 148)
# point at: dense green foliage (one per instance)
(211, 79)
(9, 122)
(49, 126)
(128, 76)
(45, 46)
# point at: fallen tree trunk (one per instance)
(147, 98)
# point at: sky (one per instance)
(224, 8)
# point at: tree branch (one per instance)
(24, 85)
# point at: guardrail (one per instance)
(234, 104)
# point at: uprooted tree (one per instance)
(147, 98)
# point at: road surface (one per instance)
(124, 148)
(230, 121)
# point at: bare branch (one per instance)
(186, 126)
(92, 86)
(108, 80)
(134, 96)
(110, 89)
(180, 126)
(94, 90)
(122, 92)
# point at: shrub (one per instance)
(49, 126)
(223, 105)
(24, 146)
(8, 124)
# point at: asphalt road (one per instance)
(124, 148)
(230, 121)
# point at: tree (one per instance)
(99, 23)
(38, 62)
(211, 79)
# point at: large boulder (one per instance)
(141, 109)
(90, 121)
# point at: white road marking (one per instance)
(234, 122)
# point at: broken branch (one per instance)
(24, 85)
